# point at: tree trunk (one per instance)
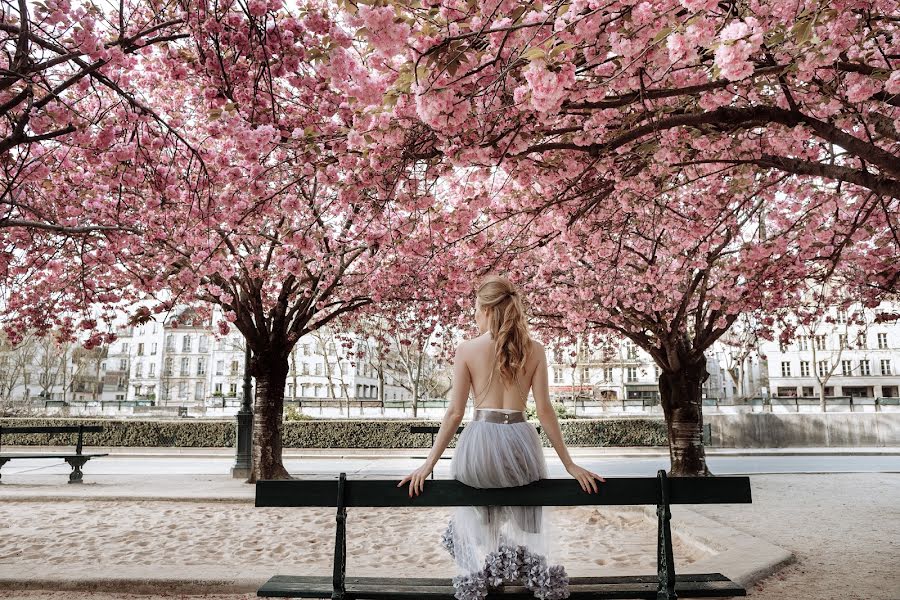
(822, 396)
(681, 398)
(271, 373)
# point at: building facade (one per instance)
(184, 366)
(622, 373)
(842, 356)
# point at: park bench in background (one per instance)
(433, 429)
(76, 459)
(660, 490)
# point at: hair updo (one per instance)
(507, 323)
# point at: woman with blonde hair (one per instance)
(500, 448)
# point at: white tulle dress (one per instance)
(492, 545)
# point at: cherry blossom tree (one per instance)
(262, 209)
(663, 166)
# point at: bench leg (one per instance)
(76, 463)
(665, 562)
(3, 461)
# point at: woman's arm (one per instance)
(540, 388)
(456, 409)
(459, 395)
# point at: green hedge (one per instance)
(336, 433)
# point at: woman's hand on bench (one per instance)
(416, 479)
(585, 477)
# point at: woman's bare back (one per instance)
(479, 358)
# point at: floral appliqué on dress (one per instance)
(513, 564)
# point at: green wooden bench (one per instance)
(76, 459)
(660, 490)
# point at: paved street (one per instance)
(614, 466)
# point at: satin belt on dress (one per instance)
(498, 416)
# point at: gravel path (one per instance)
(844, 530)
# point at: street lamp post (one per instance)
(242, 460)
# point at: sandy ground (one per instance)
(617, 540)
(843, 528)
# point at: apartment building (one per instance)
(620, 370)
(843, 355)
(178, 365)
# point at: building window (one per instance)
(232, 389)
(632, 374)
(124, 347)
(304, 368)
(203, 344)
(305, 349)
(182, 390)
(186, 343)
(820, 342)
(842, 340)
(201, 366)
(586, 373)
(220, 367)
(607, 374)
(802, 343)
(846, 368)
(823, 368)
(185, 366)
(804, 368)
(152, 369)
(842, 315)
(864, 368)
(557, 375)
(886, 366)
(318, 368)
(882, 341)
(140, 349)
(170, 342)
(218, 388)
(785, 369)
(139, 369)
(234, 367)
(153, 348)
(630, 351)
(198, 391)
(123, 364)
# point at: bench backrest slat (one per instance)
(50, 429)
(79, 429)
(430, 428)
(545, 492)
